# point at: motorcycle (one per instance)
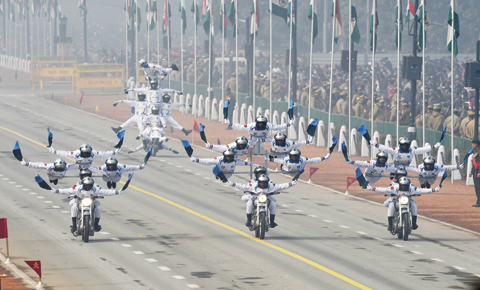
(402, 224)
(260, 215)
(85, 217)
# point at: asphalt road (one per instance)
(178, 228)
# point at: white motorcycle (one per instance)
(402, 224)
(86, 216)
(260, 214)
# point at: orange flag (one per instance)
(196, 128)
(36, 266)
(350, 181)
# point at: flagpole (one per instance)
(127, 8)
(349, 69)
(423, 75)
(44, 32)
(158, 39)
(254, 28)
(168, 42)
(136, 42)
(311, 52)
(236, 50)
(195, 45)
(399, 19)
(271, 61)
(290, 57)
(51, 40)
(38, 33)
(210, 51)
(149, 22)
(452, 84)
(223, 50)
(374, 26)
(181, 40)
(331, 72)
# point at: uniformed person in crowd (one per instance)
(463, 124)
(456, 123)
(405, 114)
(437, 119)
(379, 111)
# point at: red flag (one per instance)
(3, 229)
(114, 114)
(36, 266)
(65, 100)
(351, 180)
(81, 97)
(196, 128)
(312, 171)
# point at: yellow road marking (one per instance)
(225, 226)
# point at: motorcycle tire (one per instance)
(262, 225)
(405, 226)
(86, 229)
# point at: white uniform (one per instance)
(430, 175)
(50, 169)
(278, 151)
(78, 184)
(154, 95)
(227, 167)
(394, 189)
(166, 111)
(373, 171)
(114, 175)
(403, 159)
(95, 191)
(233, 146)
(141, 109)
(290, 167)
(152, 71)
(261, 135)
(153, 121)
(84, 162)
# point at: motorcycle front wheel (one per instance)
(262, 225)
(86, 228)
(406, 225)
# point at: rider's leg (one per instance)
(273, 210)
(98, 213)
(74, 214)
(249, 209)
(391, 211)
(413, 210)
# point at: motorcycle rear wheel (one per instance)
(86, 229)
(262, 226)
(406, 225)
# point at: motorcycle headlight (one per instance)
(87, 201)
(404, 200)
(262, 198)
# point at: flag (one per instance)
(298, 174)
(399, 25)
(353, 23)
(147, 156)
(344, 151)
(137, 16)
(410, 16)
(183, 15)
(17, 152)
(363, 130)
(223, 18)
(52, 9)
(12, 11)
(290, 110)
(312, 171)
(36, 266)
(42, 182)
(312, 15)
(290, 17)
(279, 8)
(194, 10)
(338, 20)
(129, 7)
(350, 181)
(125, 186)
(81, 98)
(468, 155)
(50, 138)
(187, 147)
(361, 179)
(121, 136)
(453, 28)
(373, 21)
(218, 141)
(3, 228)
(171, 129)
(444, 176)
(443, 133)
(422, 13)
(152, 16)
(231, 16)
(254, 18)
(312, 127)
(65, 100)
(217, 171)
(202, 133)
(207, 13)
(195, 127)
(334, 143)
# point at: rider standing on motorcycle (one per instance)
(240, 146)
(112, 171)
(281, 145)
(294, 162)
(141, 108)
(86, 189)
(403, 156)
(429, 170)
(375, 169)
(84, 155)
(266, 187)
(260, 129)
(227, 162)
(55, 171)
(166, 111)
(154, 92)
(154, 118)
(403, 187)
(156, 70)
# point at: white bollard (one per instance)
(250, 118)
(268, 115)
(283, 120)
(352, 146)
(376, 139)
(201, 106)
(217, 114)
(260, 113)
(236, 114)
(365, 148)
(469, 178)
(207, 108)
(176, 98)
(429, 153)
(388, 142)
(415, 161)
(330, 134)
(243, 114)
(276, 118)
(194, 105)
(456, 160)
(302, 129)
(440, 157)
(319, 134)
(292, 131)
(342, 137)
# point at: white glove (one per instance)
(350, 161)
(436, 189)
(178, 92)
(230, 183)
(437, 145)
(193, 159)
(115, 104)
(52, 150)
(369, 187)
(292, 122)
(249, 163)
(266, 158)
(327, 156)
(117, 151)
(54, 190)
(310, 140)
(118, 192)
(143, 166)
(208, 145)
(227, 122)
(461, 166)
(24, 163)
(373, 143)
(294, 183)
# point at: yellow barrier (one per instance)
(99, 78)
(52, 69)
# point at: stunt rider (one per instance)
(84, 155)
(156, 70)
(86, 189)
(403, 187)
(154, 92)
(375, 169)
(166, 111)
(227, 162)
(266, 187)
(240, 146)
(85, 173)
(281, 145)
(55, 171)
(112, 171)
(294, 162)
(141, 108)
(429, 170)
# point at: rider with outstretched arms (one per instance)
(84, 155)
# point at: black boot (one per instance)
(249, 220)
(55, 181)
(109, 184)
(186, 131)
(390, 223)
(73, 228)
(272, 221)
(414, 222)
(96, 226)
(114, 185)
(116, 130)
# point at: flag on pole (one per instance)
(312, 15)
(129, 8)
(3, 228)
(223, 18)
(207, 13)
(422, 13)
(231, 17)
(12, 11)
(152, 16)
(373, 21)
(52, 9)
(17, 152)
(255, 18)
(338, 20)
(49, 138)
(36, 266)
(195, 127)
(353, 22)
(97, 109)
(410, 12)
(166, 16)
(453, 28)
(194, 9)
(399, 25)
(183, 15)
(290, 16)
(280, 8)
(138, 16)
(350, 181)
(312, 171)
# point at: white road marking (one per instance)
(138, 253)
(345, 227)
(162, 160)
(179, 166)
(188, 170)
(104, 233)
(378, 239)
(48, 201)
(151, 260)
(12, 182)
(207, 177)
(33, 193)
(327, 221)
(126, 245)
(197, 173)
(397, 245)
(178, 277)
(26, 189)
(56, 206)
(163, 268)
(417, 252)
(115, 239)
(1, 174)
(478, 275)
(6, 178)
(40, 196)
(297, 210)
(65, 211)
(193, 286)
(18, 185)
(437, 260)
(459, 268)
(313, 215)
(361, 233)
(169, 163)
(284, 205)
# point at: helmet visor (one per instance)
(111, 167)
(280, 142)
(429, 166)
(88, 186)
(404, 187)
(295, 158)
(263, 184)
(405, 147)
(382, 160)
(261, 125)
(229, 158)
(59, 167)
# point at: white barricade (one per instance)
(365, 148)
(376, 139)
(276, 118)
(292, 130)
(215, 112)
(250, 118)
(201, 106)
(194, 105)
(236, 114)
(440, 157)
(469, 179)
(428, 153)
(268, 115)
(319, 134)
(260, 113)
(330, 134)
(283, 120)
(456, 160)
(302, 129)
(182, 100)
(352, 146)
(342, 137)
(415, 161)
(243, 114)
(388, 142)
(207, 108)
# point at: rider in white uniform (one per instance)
(374, 169)
(154, 92)
(156, 71)
(294, 162)
(227, 162)
(166, 111)
(141, 109)
(55, 171)
(240, 146)
(112, 171)
(281, 145)
(85, 155)
(429, 170)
